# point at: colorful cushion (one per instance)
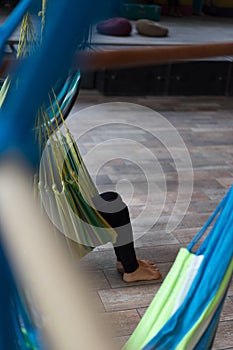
(115, 26)
(150, 28)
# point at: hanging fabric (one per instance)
(185, 312)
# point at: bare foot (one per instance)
(143, 273)
(146, 263)
(147, 271)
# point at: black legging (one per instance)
(116, 213)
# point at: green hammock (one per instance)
(185, 312)
(66, 189)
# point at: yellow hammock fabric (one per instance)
(66, 190)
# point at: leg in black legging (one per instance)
(115, 212)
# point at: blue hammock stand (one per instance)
(190, 323)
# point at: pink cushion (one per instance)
(115, 26)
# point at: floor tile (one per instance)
(128, 298)
(227, 312)
(122, 322)
(224, 339)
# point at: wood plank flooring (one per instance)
(206, 126)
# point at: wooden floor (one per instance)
(206, 126)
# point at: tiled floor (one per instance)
(206, 126)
